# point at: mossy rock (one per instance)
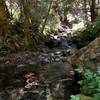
(83, 97)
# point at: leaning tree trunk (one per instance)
(4, 19)
(46, 18)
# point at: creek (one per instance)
(40, 76)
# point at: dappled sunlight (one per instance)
(49, 50)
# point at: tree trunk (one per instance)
(26, 30)
(4, 19)
(46, 18)
(92, 10)
(26, 14)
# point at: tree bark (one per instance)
(26, 13)
(92, 10)
(4, 18)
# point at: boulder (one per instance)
(88, 56)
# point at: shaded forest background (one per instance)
(25, 24)
(29, 55)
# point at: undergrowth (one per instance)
(90, 84)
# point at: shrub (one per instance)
(89, 33)
(90, 85)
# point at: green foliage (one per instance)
(10, 43)
(89, 33)
(97, 96)
(90, 83)
(73, 97)
(81, 97)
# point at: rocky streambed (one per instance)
(45, 75)
(36, 76)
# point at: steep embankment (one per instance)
(88, 57)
